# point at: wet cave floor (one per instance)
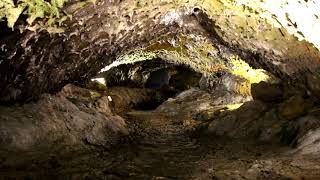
(164, 147)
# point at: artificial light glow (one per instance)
(100, 80)
(243, 69)
(130, 59)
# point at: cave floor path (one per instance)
(162, 146)
(167, 150)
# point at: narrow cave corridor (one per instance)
(159, 89)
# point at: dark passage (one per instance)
(158, 79)
(191, 90)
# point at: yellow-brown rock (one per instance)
(293, 108)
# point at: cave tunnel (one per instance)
(160, 89)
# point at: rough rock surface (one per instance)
(73, 117)
(309, 143)
(195, 135)
(291, 121)
(168, 142)
(226, 82)
(124, 99)
(203, 34)
(267, 92)
(293, 108)
(186, 103)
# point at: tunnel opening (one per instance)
(157, 79)
(210, 89)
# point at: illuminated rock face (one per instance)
(204, 34)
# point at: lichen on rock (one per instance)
(203, 34)
(49, 13)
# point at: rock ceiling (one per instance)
(278, 36)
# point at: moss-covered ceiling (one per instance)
(203, 33)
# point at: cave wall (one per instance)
(33, 62)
